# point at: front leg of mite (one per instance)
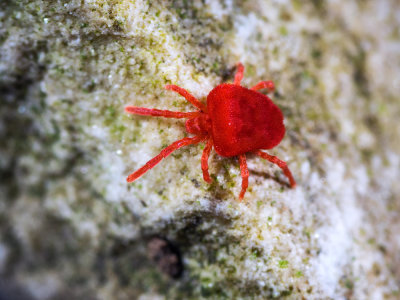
(204, 160)
(189, 97)
(269, 85)
(280, 163)
(239, 74)
(163, 154)
(244, 171)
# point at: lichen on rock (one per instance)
(71, 227)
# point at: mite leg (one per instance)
(239, 74)
(264, 85)
(159, 113)
(204, 160)
(245, 175)
(189, 97)
(163, 154)
(280, 163)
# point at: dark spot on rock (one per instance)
(227, 73)
(10, 290)
(166, 256)
(195, 183)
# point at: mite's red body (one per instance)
(243, 120)
(235, 121)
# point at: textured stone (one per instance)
(72, 228)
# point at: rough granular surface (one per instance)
(72, 228)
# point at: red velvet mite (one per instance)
(235, 121)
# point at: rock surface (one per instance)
(72, 228)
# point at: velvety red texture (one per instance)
(243, 120)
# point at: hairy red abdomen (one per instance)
(243, 120)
